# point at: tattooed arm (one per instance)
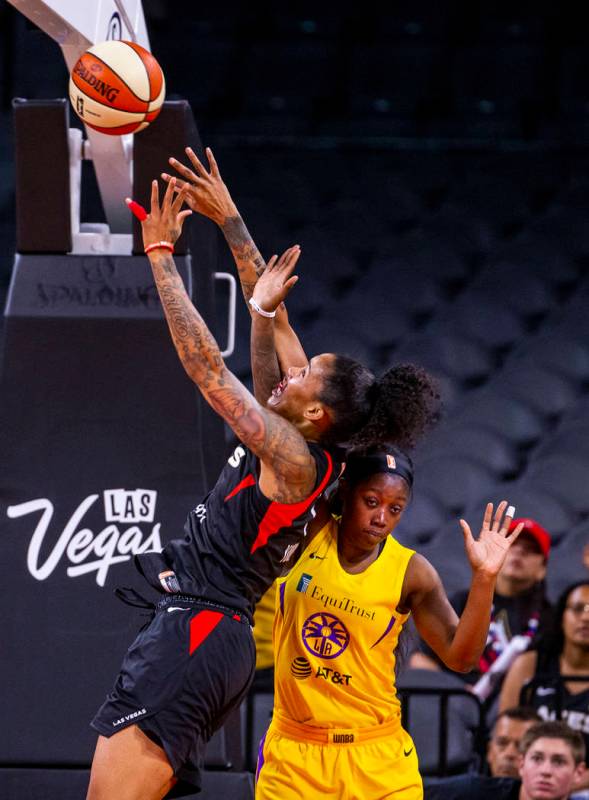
(208, 194)
(288, 470)
(273, 285)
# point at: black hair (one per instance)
(519, 713)
(551, 644)
(363, 462)
(397, 408)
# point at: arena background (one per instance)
(431, 160)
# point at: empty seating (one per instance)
(488, 447)
(422, 519)
(538, 387)
(450, 354)
(566, 560)
(444, 720)
(533, 502)
(563, 476)
(454, 480)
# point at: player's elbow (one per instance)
(461, 662)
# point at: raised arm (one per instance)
(208, 195)
(288, 470)
(459, 643)
(273, 285)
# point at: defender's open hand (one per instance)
(488, 552)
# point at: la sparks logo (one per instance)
(324, 635)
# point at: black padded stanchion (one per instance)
(42, 176)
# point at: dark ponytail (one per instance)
(397, 408)
(407, 405)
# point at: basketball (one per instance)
(117, 87)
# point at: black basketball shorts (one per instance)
(182, 676)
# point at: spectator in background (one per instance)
(551, 764)
(563, 651)
(503, 746)
(520, 606)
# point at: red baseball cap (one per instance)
(536, 531)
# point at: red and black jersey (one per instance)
(237, 542)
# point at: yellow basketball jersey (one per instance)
(263, 623)
(335, 636)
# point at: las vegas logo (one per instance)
(85, 550)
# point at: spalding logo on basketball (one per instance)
(325, 635)
(117, 87)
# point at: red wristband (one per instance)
(164, 245)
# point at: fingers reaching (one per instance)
(501, 520)
(488, 516)
(512, 536)
(155, 197)
(194, 160)
(179, 183)
(288, 259)
(466, 529)
(499, 515)
(213, 164)
(180, 195)
(167, 202)
(508, 519)
(290, 283)
(184, 171)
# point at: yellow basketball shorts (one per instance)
(301, 762)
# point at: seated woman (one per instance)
(336, 730)
(562, 652)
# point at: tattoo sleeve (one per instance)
(248, 260)
(266, 352)
(194, 343)
(265, 368)
(274, 440)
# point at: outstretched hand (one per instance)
(487, 553)
(205, 191)
(277, 279)
(164, 222)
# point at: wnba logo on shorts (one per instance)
(304, 583)
(342, 738)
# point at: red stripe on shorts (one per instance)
(201, 625)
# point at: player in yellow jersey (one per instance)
(336, 730)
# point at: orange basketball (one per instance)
(117, 87)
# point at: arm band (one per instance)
(261, 311)
(165, 245)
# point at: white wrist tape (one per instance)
(260, 310)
